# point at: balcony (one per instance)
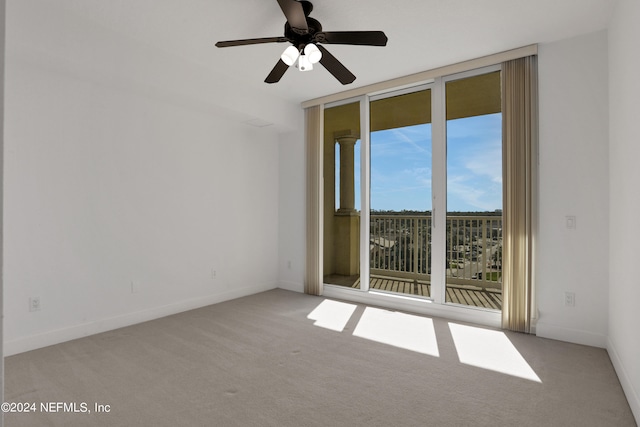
(400, 257)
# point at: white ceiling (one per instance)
(423, 34)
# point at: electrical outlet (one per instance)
(214, 273)
(569, 299)
(135, 286)
(34, 304)
(289, 265)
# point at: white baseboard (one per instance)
(576, 336)
(627, 386)
(58, 336)
(291, 286)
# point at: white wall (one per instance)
(126, 165)
(624, 199)
(573, 181)
(291, 238)
(2, 43)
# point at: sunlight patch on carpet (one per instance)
(401, 330)
(332, 315)
(489, 349)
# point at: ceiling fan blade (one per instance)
(230, 43)
(335, 67)
(278, 71)
(296, 18)
(368, 38)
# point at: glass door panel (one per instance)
(474, 191)
(342, 145)
(400, 191)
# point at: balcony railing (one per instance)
(400, 246)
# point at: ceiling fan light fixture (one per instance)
(290, 55)
(304, 64)
(313, 53)
(308, 39)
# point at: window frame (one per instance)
(437, 77)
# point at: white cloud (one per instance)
(487, 161)
(460, 190)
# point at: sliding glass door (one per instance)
(400, 208)
(342, 204)
(413, 191)
(474, 190)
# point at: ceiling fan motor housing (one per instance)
(301, 40)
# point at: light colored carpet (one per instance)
(259, 361)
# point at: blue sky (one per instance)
(401, 166)
(401, 169)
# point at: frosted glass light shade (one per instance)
(312, 52)
(290, 55)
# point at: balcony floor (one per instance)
(456, 294)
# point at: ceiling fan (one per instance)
(306, 37)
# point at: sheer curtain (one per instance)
(313, 138)
(520, 160)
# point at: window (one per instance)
(436, 235)
(401, 186)
(474, 190)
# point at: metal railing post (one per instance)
(484, 250)
(416, 252)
